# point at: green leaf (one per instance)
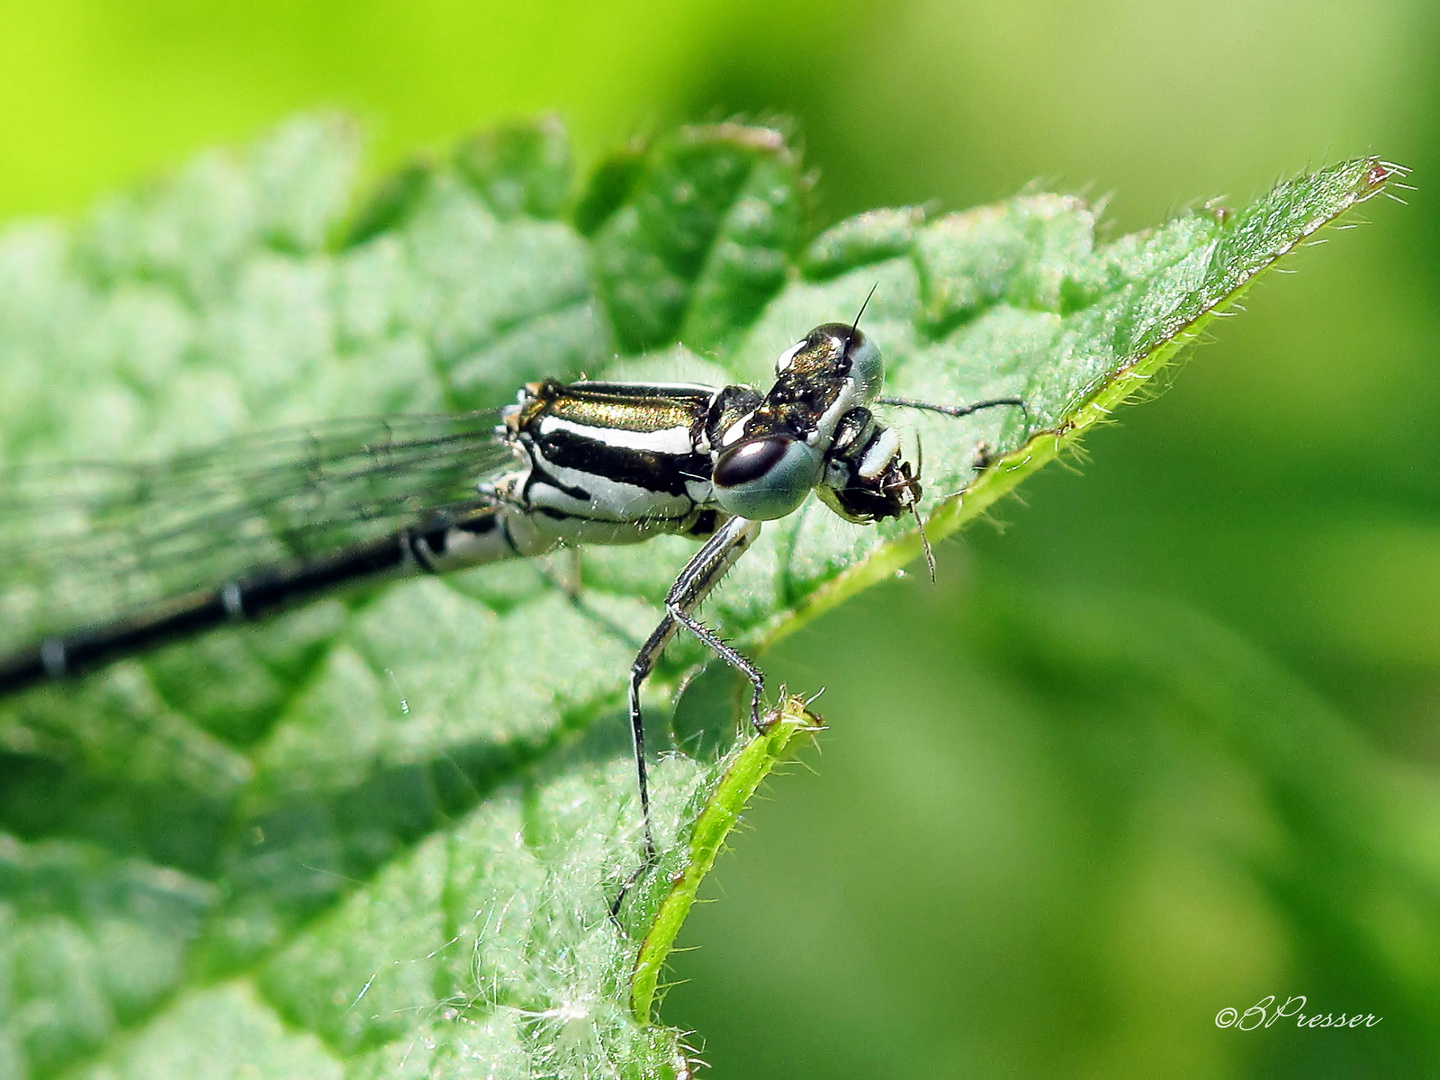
(381, 836)
(703, 238)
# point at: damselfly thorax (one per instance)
(567, 464)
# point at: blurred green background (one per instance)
(1168, 741)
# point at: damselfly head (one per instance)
(812, 416)
(835, 350)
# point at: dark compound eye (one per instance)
(750, 461)
(765, 479)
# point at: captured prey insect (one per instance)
(294, 517)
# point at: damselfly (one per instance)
(131, 551)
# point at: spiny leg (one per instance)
(695, 582)
(644, 663)
(722, 649)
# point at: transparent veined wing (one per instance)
(86, 542)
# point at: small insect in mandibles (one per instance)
(568, 464)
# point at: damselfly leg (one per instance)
(694, 583)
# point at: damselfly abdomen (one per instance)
(132, 549)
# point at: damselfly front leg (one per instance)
(700, 576)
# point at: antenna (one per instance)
(855, 324)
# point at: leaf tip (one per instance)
(1379, 174)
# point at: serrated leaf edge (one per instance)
(1006, 471)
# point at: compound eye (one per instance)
(765, 479)
(867, 366)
